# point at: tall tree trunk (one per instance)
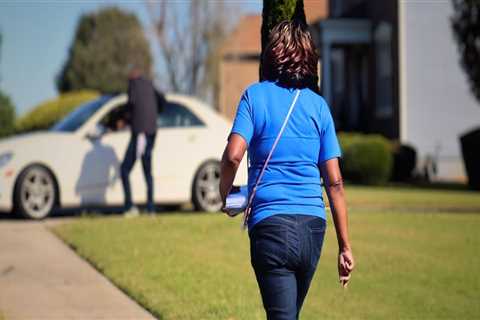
(276, 11)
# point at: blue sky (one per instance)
(37, 35)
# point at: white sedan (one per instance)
(77, 162)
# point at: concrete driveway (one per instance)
(42, 278)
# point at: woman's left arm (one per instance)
(231, 159)
(333, 181)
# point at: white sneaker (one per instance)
(132, 213)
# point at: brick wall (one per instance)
(235, 76)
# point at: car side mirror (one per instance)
(96, 133)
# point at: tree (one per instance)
(1, 52)
(190, 47)
(7, 115)
(276, 11)
(466, 27)
(106, 44)
(7, 111)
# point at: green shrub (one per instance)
(46, 114)
(7, 115)
(404, 161)
(367, 159)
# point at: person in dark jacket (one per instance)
(142, 110)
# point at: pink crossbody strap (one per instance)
(246, 214)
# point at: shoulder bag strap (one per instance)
(246, 214)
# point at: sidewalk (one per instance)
(41, 278)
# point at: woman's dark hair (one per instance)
(290, 56)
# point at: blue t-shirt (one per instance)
(291, 183)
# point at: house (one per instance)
(388, 67)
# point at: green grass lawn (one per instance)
(196, 266)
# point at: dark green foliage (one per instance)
(470, 143)
(367, 159)
(276, 11)
(105, 44)
(404, 162)
(466, 27)
(7, 115)
(46, 114)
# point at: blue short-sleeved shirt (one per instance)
(291, 183)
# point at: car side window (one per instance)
(116, 119)
(177, 115)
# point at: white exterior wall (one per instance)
(436, 105)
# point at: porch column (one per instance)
(326, 64)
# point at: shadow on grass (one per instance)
(101, 211)
(446, 186)
(357, 205)
(413, 209)
(441, 186)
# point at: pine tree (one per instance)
(466, 27)
(106, 43)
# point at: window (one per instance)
(384, 73)
(80, 115)
(176, 115)
(115, 120)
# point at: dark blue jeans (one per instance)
(127, 165)
(285, 250)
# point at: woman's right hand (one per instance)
(346, 264)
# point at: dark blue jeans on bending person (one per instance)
(127, 165)
(285, 250)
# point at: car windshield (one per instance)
(80, 115)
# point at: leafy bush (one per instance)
(470, 143)
(49, 112)
(404, 162)
(366, 159)
(7, 115)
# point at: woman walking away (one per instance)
(290, 135)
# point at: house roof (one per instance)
(246, 38)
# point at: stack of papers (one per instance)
(237, 201)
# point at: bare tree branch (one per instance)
(189, 35)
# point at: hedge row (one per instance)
(367, 159)
(46, 114)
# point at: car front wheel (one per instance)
(206, 193)
(35, 193)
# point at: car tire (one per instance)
(35, 194)
(205, 189)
